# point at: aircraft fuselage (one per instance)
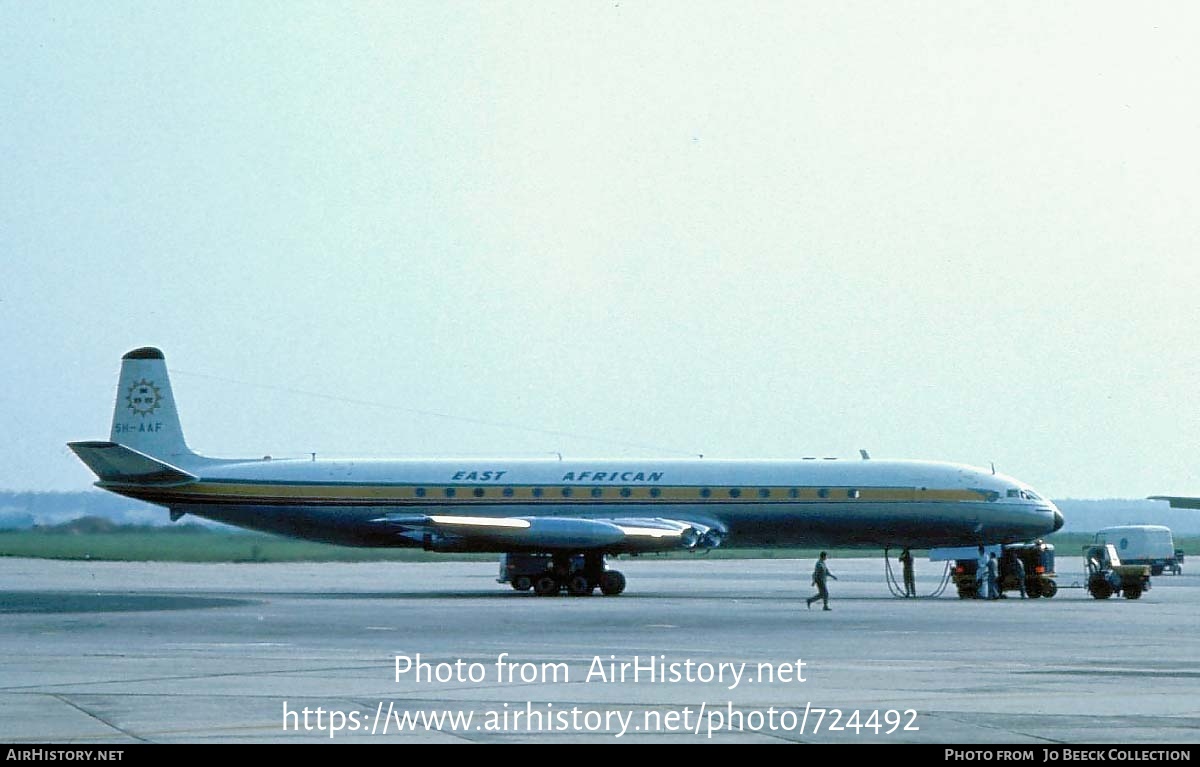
(873, 503)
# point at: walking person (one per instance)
(820, 573)
(910, 584)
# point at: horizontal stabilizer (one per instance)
(123, 465)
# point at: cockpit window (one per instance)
(1014, 493)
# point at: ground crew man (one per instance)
(910, 584)
(993, 580)
(1019, 573)
(820, 573)
(981, 583)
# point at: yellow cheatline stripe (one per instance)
(614, 494)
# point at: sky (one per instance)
(949, 231)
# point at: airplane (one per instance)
(1177, 501)
(575, 513)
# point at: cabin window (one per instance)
(449, 492)
(655, 492)
(566, 492)
(537, 492)
(793, 493)
(705, 492)
(478, 492)
(823, 492)
(764, 492)
(852, 493)
(597, 492)
(734, 492)
(420, 492)
(508, 492)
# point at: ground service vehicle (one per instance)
(1037, 558)
(1106, 575)
(1038, 561)
(1142, 545)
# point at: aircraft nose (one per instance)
(1058, 520)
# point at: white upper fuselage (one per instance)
(477, 472)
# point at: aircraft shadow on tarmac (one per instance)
(50, 602)
(512, 595)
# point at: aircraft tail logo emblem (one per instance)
(143, 397)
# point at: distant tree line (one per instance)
(20, 510)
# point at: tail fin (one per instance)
(145, 418)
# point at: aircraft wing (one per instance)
(1178, 501)
(445, 532)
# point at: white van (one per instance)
(1142, 545)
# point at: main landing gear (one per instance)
(551, 574)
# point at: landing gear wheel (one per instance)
(522, 583)
(546, 586)
(1133, 591)
(1049, 589)
(580, 586)
(612, 582)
